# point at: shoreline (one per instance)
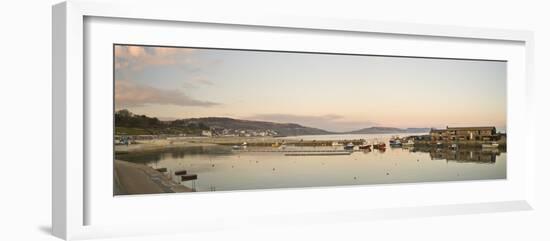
(184, 142)
(132, 178)
(157, 144)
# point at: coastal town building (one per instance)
(242, 132)
(484, 133)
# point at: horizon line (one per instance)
(167, 119)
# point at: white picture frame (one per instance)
(72, 191)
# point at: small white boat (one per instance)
(349, 146)
(395, 143)
(409, 143)
(493, 145)
(240, 147)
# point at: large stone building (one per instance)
(485, 133)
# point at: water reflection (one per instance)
(221, 168)
(153, 156)
(468, 155)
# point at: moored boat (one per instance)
(364, 146)
(493, 145)
(379, 145)
(408, 144)
(395, 141)
(349, 146)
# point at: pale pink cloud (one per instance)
(138, 57)
(167, 51)
(196, 82)
(130, 94)
(136, 51)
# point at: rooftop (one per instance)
(476, 128)
(472, 128)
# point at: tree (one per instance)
(124, 113)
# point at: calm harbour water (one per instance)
(219, 168)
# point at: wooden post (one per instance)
(188, 177)
(182, 172)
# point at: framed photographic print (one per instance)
(191, 119)
(259, 119)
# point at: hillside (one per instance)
(127, 123)
(388, 130)
(282, 129)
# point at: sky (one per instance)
(334, 92)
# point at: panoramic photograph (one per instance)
(190, 119)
